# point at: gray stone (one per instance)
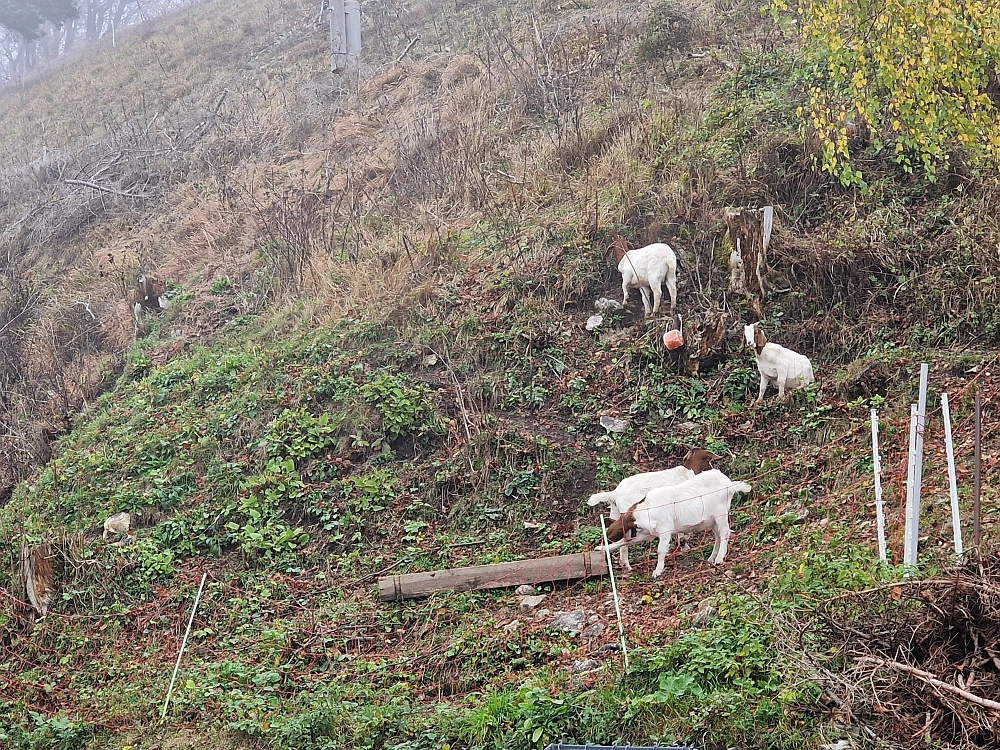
(594, 321)
(525, 589)
(511, 627)
(530, 602)
(571, 622)
(614, 425)
(581, 666)
(603, 304)
(707, 609)
(593, 631)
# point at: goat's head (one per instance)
(699, 460)
(620, 247)
(621, 528)
(754, 336)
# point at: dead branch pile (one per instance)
(923, 657)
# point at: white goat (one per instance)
(700, 503)
(778, 366)
(647, 268)
(633, 489)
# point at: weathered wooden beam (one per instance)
(501, 575)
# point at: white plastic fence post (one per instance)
(918, 463)
(910, 550)
(614, 591)
(877, 468)
(180, 653)
(956, 517)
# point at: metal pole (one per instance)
(614, 591)
(909, 538)
(180, 653)
(976, 510)
(956, 518)
(877, 468)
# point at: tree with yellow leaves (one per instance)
(921, 75)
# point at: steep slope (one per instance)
(375, 360)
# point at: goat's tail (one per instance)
(742, 487)
(602, 497)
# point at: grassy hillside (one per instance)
(375, 359)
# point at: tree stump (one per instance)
(39, 572)
(750, 233)
(705, 337)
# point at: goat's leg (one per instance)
(624, 292)
(646, 306)
(763, 388)
(612, 546)
(672, 289)
(721, 531)
(782, 379)
(623, 558)
(661, 554)
(657, 295)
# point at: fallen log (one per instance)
(502, 575)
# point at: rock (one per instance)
(593, 618)
(117, 523)
(594, 322)
(542, 613)
(688, 426)
(593, 631)
(511, 627)
(429, 360)
(603, 304)
(530, 602)
(571, 622)
(707, 609)
(581, 666)
(126, 540)
(603, 441)
(613, 425)
(525, 589)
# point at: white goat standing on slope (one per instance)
(647, 268)
(700, 503)
(633, 489)
(779, 366)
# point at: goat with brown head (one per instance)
(699, 460)
(622, 526)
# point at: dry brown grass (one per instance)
(226, 149)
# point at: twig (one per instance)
(105, 189)
(408, 48)
(932, 680)
(384, 570)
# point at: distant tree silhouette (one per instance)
(27, 17)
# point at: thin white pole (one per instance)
(180, 653)
(910, 545)
(956, 517)
(614, 591)
(877, 467)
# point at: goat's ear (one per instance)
(759, 339)
(628, 521)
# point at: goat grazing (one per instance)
(779, 366)
(633, 489)
(699, 503)
(647, 268)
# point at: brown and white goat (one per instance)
(633, 489)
